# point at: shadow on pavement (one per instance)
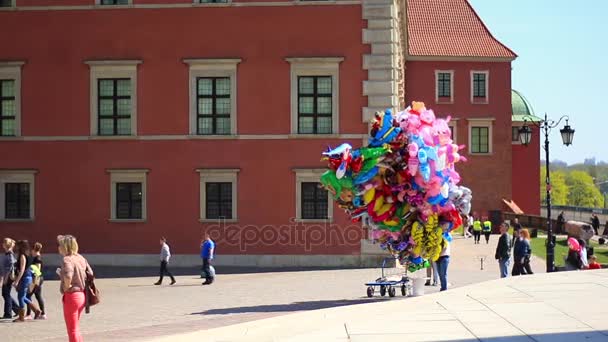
(296, 306)
(136, 272)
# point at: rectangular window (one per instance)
(479, 85)
(129, 201)
(314, 201)
(17, 200)
(315, 104)
(218, 198)
(444, 84)
(114, 106)
(114, 2)
(8, 108)
(6, 3)
(480, 139)
(515, 134)
(212, 1)
(213, 106)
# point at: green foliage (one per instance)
(581, 190)
(559, 189)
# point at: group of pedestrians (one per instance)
(522, 250)
(21, 268)
(478, 226)
(207, 254)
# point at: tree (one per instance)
(581, 190)
(559, 189)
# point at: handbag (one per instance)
(91, 292)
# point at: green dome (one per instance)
(520, 107)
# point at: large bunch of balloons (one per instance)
(404, 185)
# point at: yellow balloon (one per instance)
(368, 196)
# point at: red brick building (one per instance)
(125, 120)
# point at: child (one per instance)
(38, 278)
(593, 265)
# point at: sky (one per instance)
(562, 68)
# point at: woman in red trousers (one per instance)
(72, 274)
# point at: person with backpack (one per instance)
(23, 280)
(72, 275)
(207, 254)
(7, 276)
(38, 279)
(165, 255)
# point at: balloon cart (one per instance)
(390, 283)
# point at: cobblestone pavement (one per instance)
(134, 309)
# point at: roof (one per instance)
(450, 28)
(521, 108)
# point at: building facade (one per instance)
(123, 121)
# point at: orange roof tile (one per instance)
(450, 28)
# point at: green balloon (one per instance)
(329, 179)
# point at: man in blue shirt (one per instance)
(207, 252)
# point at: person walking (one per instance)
(207, 254)
(477, 230)
(503, 250)
(487, 229)
(561, 221)
(23, 280)
(583, 252)
(72, 276)
(468, 226)
(595, 223)
(442, 264)
(521, 254)
(165, 255)
(516, 228)
(7, 276)
(524, 235)
(37, 268)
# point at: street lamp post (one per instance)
(525, 135)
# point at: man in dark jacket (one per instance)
(503, 250)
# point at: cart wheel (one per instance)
(403, 291)
(391, 291)
(382, 290)
(370, 291)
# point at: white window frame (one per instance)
(437, 72)
(213, 176)
(481, 122)
(212, 4)
(12, 6)
(18, 176)
(305, 176)
(12, 71)
(454, 127)
(515, 142)
(487, 98)
(128, 176)
(315, 66)
(112, 69)
(226, 67)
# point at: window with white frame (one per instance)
(444, 86)
(17, 194)
(113, 97)
(315, 95)
(479, 86)
(6, 3)
(113, 2)
(480, 136)
(515, 134)
(128, 194)
(213, 96)
(218, 199)
(10, 99)
(313, 203)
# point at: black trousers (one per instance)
(163, 270)
(207, 268)
(487, 235)
(38, 294)
(477, 235)
(10, 305)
